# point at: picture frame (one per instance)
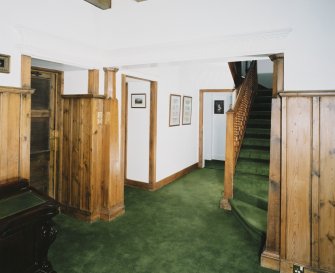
(4, 63)
(187, 110)
(219, 107)
(138, 100)
(175, 107)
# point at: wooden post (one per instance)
(93, 82)
(229, 163)
(278, 74)
(270, 255)
(112, 197)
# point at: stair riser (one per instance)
(250, 199)
(260, 171)
(264, 155)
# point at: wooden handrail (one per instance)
(237, 118)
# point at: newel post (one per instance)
(229, 163)
(112, 197)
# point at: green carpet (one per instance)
(179, 228)
(251, 178)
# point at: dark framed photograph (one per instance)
(175, 105)
(219, 107)
(138, 100)
(187, 110)
(4, 63)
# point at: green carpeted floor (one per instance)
(179, 228)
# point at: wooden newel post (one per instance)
(112, 201)
(229, 163)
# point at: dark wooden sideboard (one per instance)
(26, 229)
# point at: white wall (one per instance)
(177, 147)
(265, 72)
(215, 126)
(138, 134)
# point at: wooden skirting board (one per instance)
(163, 182)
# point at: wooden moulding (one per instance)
(160, 184)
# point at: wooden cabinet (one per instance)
(308, 181)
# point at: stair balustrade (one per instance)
(237, 118)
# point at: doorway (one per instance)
(44, 130)
(213, 106)
(138, 132)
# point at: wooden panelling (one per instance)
(15, 132)
(81, 156)
(308, 178)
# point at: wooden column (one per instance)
(93, 82)
(278, 74)
(270, 255)
(229, 163)
(112, 195)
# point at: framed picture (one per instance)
(138, 100)
(219, 107)
(187, 110)
(175, 105)
(4, 63)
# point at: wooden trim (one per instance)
(111, 214)
(93, 82)
(78, 96)
(80, 214)
(137, 78)
(153, 133)
(138, 184)
(307, 93)
(283, 206)
(270, 260)
(16, 90)
(315, 215)
(110, 82)
(201, 120)
(174, 176)
(287, 267)
(278, 74)
(25, 71)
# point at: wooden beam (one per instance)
(101, 4)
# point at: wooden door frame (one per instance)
(56, 133)
(201, 120)
(152, 130)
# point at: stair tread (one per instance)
(252, 152)
(254, 218)
(257, 142)
(252, 166)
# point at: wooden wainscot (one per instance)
(308, 181)
(91, 184)
(15, 133)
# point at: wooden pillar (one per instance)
(270, 256)
(93, 82)
(229, 163)
(278, 74)
(112, 195)
(24, 170)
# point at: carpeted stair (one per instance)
(252, 170)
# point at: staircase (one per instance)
(251, 177)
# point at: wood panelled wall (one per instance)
(308, 181)
(91, 186)
(15, 106)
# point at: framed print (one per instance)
(138, 100)
(218, 107)
(175, 105)
(4, 63)
(187, 110)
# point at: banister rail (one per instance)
(237, 118)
